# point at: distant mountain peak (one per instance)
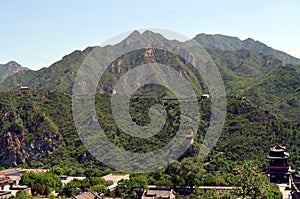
(233, 55)
(14, 63)
(150, 34)
(11, 64)
(9, 69)
(134, 34)
(146, 38)
(224, 42)
(249, 39)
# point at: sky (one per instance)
(38, 33)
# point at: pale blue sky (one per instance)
(38, 33)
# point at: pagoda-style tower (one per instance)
(278, 164)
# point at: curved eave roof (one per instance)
(278, 158)
(277, 150)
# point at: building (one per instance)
(115, 178)
(161, 193)
(67, 179)
(205, 96)
(295, 184)
(278, 164)
(24, 88)
(5, 194)
(88, 194)
(16, 173)
(5, 182)
(36, 170)
(9, 181)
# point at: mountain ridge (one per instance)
(224, 42)
(39, 127)
(240, 69)
(67, 67)
(9, 69)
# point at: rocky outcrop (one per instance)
(11, 147)
(16, 148)
(10, 69)
(26, 134)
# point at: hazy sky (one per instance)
(38, 33)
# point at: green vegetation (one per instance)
(41, 183)
(95, 184)
(46, 183)
(37, 128)
(134, 187)
(248, 132)
(278, 92)
(10, 69)
(60, 75)
(223, 42)
(22, 195)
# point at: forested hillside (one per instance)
(37, 127)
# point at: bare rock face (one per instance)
(11, 146)
(10, 69)
(14, 67)
(16, 148)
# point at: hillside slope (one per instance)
(10, 69)
(224, 42)
(244, 72)
(53, 140)
(278, 92)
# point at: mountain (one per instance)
(30, 126)
(37, 127)
(25, 131)
(239, 64)
(244, 72)
(263, 79)
(61, 75)
(278, 92)
(241, 68)
(10, 69)
(38, 130)
(233, 43)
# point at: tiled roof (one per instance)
(158, 194)
(115, 177)
(4, 179)
(87, 195)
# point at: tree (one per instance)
(191, 171)
(69, 190)
(164, 182)
(97, 181)
(253, 184)
(119, 192)
(22, 195)
(51, 196)
(174, 171)
(100, 188)
(37, 189)
(47, 191)
(134, 187)
(39, 181)
(28, 179)
(58, 171)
